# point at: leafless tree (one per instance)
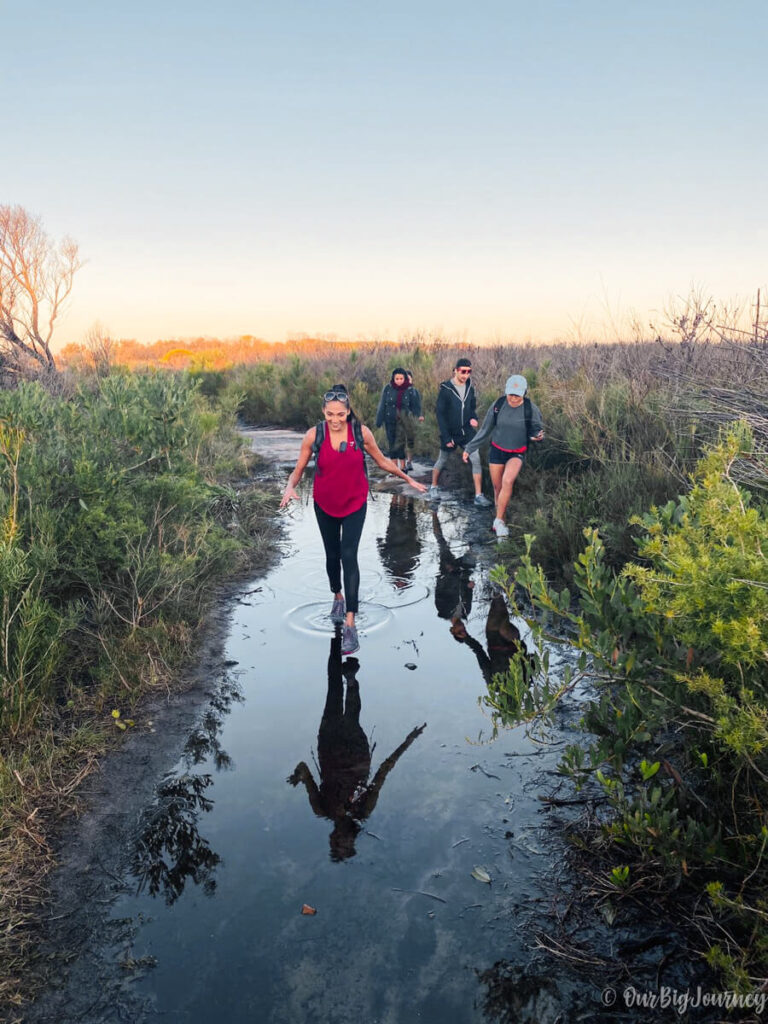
(36, 278)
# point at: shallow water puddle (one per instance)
(248, 828)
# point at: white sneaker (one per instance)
(500, 528)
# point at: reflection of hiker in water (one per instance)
(503, 641)
(453, 586)
(344, 795)
(400, 547)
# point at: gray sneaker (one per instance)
(349, 641)
(500, 528)
(338, 610)
(482, 502)
(434, 493)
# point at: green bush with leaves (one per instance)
(675, 646)
(112, 521)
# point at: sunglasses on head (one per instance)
(336, 396)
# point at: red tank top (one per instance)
(341, 486)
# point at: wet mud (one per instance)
(323, 838)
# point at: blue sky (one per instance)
(495, 171)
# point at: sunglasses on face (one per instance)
(465, 371)
(336, 396)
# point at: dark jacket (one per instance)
(453, 586)
(453, 415)
(387, 411)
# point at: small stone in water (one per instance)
(410, 665)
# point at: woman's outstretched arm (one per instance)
(386, 464)
(305, 454)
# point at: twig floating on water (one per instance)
(459, 842)
(555, 802)
(479, 767)
(418, 892)
(373, 835)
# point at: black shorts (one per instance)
(498, 457)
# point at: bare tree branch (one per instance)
(36, 278)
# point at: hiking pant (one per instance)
(341, 539)
(474, 459)
(401, 435)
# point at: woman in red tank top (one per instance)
(340, 493)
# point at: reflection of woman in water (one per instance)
(453, 586)
(344, 795)
(400, 547)
(503, 641)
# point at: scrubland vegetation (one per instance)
(639, 535)
(638, 532)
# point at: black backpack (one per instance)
(357, 433)
(527, 412)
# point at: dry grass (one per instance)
(38, 783)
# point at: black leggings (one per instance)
(341, 539)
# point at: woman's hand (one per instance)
(465, 456)
(289, 494)
(416, 485)
(539, 436)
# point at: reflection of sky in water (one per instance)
(237, 948)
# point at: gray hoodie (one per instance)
(509, 432)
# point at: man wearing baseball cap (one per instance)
(510, 424)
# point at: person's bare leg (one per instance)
(478, 479)
(496, 472)
(510, 474)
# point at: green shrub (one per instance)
(111, 525)
(676, 649)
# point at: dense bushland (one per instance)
(113, 523)
(118, 516)
(667, 602)
(675, 646)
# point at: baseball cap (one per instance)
(516, 385)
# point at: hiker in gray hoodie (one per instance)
(510, 424)
(457, 420)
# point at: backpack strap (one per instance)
(319, 438)
(357, 433)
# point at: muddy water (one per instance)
(245, 828)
